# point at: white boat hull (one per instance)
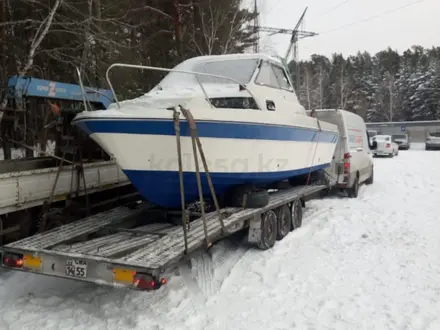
(237, 153)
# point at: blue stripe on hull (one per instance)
(162, 187)
(212, 129)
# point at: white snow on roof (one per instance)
(234, 57)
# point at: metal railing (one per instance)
(196, 74)
(85, 90)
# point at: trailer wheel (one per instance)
(268, 230)
(297, 214)
(284, 222)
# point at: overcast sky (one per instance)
(416, 24)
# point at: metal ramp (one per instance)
(50, 239)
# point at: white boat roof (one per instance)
(206, 58)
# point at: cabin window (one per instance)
(267, 76)
(241, 70)
(282, 78)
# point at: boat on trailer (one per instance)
(252, 127)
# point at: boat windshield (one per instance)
(240, 70)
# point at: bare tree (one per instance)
(215, 26)
(25, 64)
(345, 89)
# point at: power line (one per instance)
(273, 7)
(367, 19)
(339, 4)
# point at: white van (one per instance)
(353, 158)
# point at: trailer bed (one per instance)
(148, 249)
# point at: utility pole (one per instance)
(256, 27)
(294, 44)
(296, 35)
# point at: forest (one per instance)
(48, 38)
(386, 86)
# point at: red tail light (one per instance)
(146, 282)
(13, 260)
(347, 162)
(387, 145)
(346, 166)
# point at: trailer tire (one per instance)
(297, 214)
(268, 230)
(284, 222)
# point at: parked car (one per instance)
(372, 134)
(385, 146)
(402, 141)
(432, 141)
(353, 154)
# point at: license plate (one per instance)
(29, 261)
(76, 268)
(124, 275)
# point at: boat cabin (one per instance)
(238, 81)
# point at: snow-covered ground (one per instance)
(366, 263)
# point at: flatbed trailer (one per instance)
(132, 247)
(28, 183)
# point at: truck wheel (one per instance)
(354, 191)
(297, 214)
(268, 230)
(284, 222)
(370, 180)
